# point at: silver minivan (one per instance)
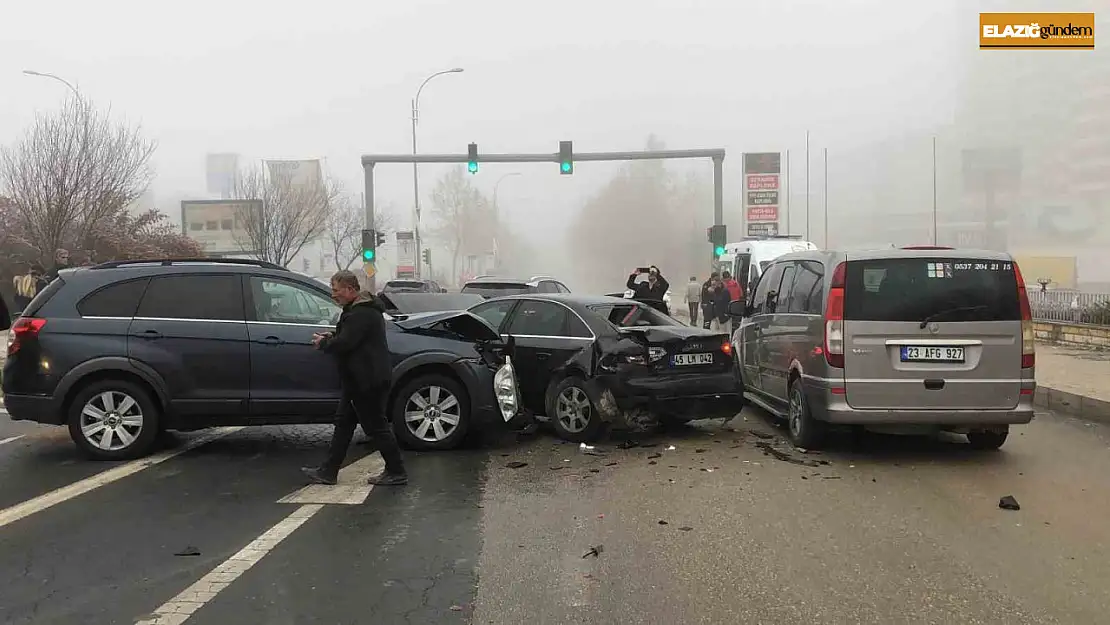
(921, 338)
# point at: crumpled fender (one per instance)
(585, 364)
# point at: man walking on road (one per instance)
(693, 299)
(360, 349)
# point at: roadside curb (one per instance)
(1073, 404)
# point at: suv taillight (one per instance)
(23, 329)
(834, 319)
(1028, 337)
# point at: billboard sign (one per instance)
(304, 173)
(763, 198)
(763, 229)
(762, 172)
(406, 255)
(218, 225)
(763, 213)
(220, 173)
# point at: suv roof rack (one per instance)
(166, 262)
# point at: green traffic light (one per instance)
(720, 250)
(566, 167)
(472, 167)
(368, 255)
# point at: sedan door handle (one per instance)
(543, 355)
(272, 340)
(150, 334)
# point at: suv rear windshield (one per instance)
(496, 289)
(633, 315)
(403, 284)
(933, 289)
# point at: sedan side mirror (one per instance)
(737, 308)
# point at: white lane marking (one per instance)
(76, 489)
(11, 439)
(351, 489)
(180, 608)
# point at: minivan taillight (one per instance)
(1028, 337)
(23, 329)
(834, 319)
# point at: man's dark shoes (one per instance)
(320, 476)
(388, 479)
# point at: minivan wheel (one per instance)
(987, 440)
(431, 412)
(113, 420)
(805, 431)
(573, 411)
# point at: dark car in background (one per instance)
(403, 304)
(412, 286)
(123, 350)
(493, 286)
(582, 359)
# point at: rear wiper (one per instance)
(933, 317)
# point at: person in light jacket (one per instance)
(693, 299)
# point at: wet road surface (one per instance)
(730, 526)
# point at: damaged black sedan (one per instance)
(585, 360)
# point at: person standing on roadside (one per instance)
(708, 290)
(735, 293)
(693, 299)
(61, 261)
(366, 371)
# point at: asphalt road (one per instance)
(717, 530)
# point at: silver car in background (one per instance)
(922, 338)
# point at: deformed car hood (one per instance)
(459, 321)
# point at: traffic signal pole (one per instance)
(368, 181)
(717, 155)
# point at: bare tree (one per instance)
(344, 229)
(464, 218)
(285, 216)
(73, 169)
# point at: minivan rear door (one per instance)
(931, 331)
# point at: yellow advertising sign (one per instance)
(1034, 31)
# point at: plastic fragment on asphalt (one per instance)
(685, 528)
(670, 448)
(654, 456)
(662, 522)
(188, 551)
(652, 462)
(516, 464)
(1009, 503)
(456, 608)
(594, 551)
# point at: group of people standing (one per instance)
(28, 285)
(712, 298)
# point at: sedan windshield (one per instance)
(633, 315)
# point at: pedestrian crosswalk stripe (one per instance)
(351, 488)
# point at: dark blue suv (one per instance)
(123, 350)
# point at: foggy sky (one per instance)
(333, 80)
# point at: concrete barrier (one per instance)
(1078, 334)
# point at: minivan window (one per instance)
(781, 298)
(774, 275)
(933, 289)
(115, 300)
(807, 296)
(203, 296)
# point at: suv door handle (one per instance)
(272, 340)
(150, 334)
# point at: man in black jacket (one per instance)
(651, 290)
(360, 349)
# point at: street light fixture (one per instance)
(31, 72)
(415, 178)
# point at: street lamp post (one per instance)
(31, 72)
(415, 178)
(497, 218)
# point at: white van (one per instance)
(750, 256)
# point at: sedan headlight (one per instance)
(504, 387)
